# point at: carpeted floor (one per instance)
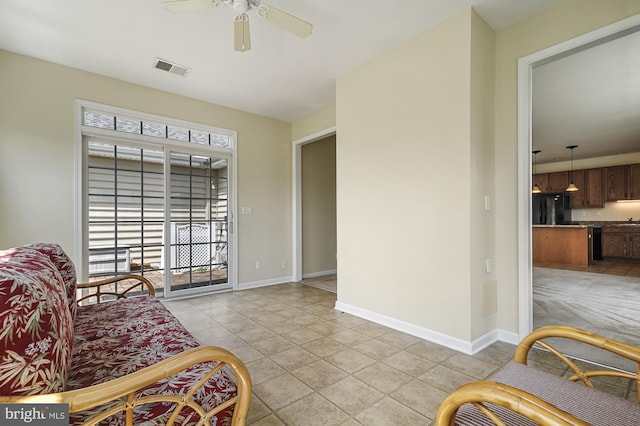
(604, 304)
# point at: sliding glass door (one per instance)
(198, 224)
(157, 201)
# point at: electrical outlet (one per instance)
(488, 265)
(258, 264)
(284, 264)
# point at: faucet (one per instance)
(630, 219)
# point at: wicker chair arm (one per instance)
(139, 281)
(487, 392)
(622, 349)
(124, 388)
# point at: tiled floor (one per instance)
(313, 365)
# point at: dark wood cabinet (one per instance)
(578, 199)
(614, 244)
(634, 246)
(590, 193)
(621, 242)
(542, 180)
(616, 183)
(634, 181)
(558, 182)
(594, 188)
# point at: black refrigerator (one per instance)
(550, 209)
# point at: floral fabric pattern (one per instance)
(66, 269)
(36, 340)
(124, 336)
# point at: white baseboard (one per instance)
(319, 274)
(450, 342)
(405, 327)
(508, 337)
(265, 283)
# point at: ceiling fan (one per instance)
(242, 36)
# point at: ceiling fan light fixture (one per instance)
(241, 33)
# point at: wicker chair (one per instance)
(519, 394)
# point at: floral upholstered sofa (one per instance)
(124, 361)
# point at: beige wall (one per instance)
(317, 122)
(568, 19)
(408, 151)
(37, 158)
(319, 207)
(483, 286)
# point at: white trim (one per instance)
(469, 348)
(508, 337)
(412, 329)
(79, 227)
(319, 273)
(265, 283)
(296, 249)
(525, 67)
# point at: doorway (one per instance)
(313, 228)
(526, 66)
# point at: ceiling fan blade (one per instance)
(177, 6)
(241, 33)
(285, 21)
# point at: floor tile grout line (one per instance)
(253, 305)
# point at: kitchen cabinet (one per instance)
(634, 181)
(614, 244)
(558, 182)
(622, 182)
(542, 180)
(594, 188)
(578, 199)
(551, 182)
(590, 192)
(622, 241)
(616, 183)
(569, 245)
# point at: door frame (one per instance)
(296, 261)
(525, 73)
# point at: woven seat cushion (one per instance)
(36, 339)
(120, 337)
(588, 404)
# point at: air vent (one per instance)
(161, 64)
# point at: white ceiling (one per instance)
(282, 77)
(590, 99)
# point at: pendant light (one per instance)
(572, 186)
(536, 188)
